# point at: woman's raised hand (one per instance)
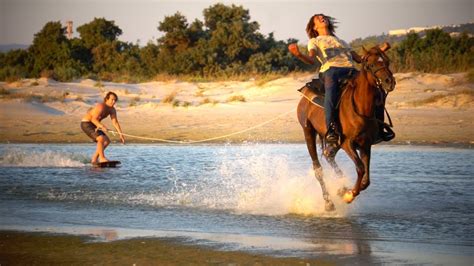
(293, 48)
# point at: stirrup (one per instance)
(332, 138)
(387, 134)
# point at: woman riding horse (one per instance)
(337, 62)
(358, 114)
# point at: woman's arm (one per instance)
(356, 57)
(307, 59)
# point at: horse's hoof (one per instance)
(364, 184)
(341, 191)
(329, 206)
(348, 196)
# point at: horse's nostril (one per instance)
(387, 80)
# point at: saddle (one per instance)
(314, 90)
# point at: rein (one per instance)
(378, 85)
(371, 70)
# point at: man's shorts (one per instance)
(90, 129)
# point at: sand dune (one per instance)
(426, 108)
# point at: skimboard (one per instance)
(106, 164)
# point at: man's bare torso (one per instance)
(101, 111)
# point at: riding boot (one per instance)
(332, 139)
(331, 135)
(385, 132)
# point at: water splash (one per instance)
(248, 181)
(261, 184)
(24, 158)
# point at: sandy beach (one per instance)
(425, 108)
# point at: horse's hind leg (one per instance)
(339, 174)
(332, 162)
(334, 166)
(310, 137)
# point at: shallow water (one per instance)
(257, 197)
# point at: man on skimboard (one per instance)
(92, 126)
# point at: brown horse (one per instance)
(359, 127)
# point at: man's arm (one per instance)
(308, 59)
(95, 113)
(115, 122)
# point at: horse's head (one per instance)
(376, 63)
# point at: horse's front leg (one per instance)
(350, 149)
(310, 138)
(365, 156)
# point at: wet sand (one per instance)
(22, 248)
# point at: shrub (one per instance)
(236, 98)
(134, 101)
(64, 73)
(98, 84)
(170, 98)
(176, 103)
(4, 91)
(11, 74)
(470, 75)
(47, 73)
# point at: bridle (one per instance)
(373, 68)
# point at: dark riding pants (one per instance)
(331, 78)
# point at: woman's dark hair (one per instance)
(107, 96)
(310, 27)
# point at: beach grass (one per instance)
(436, 98)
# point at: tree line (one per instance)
(226, 44)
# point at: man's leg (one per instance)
(102, 143)
(95, 156)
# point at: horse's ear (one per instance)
(385, 46)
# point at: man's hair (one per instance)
(310, 27)
(107, 96)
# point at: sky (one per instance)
(139, 19)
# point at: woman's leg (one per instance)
(330, 102)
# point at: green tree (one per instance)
(51, 52)
(436, 52)
(14, 64)
(98, 32)
(233, 37)
(176, 33)
(177, 53)
(149, 59)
